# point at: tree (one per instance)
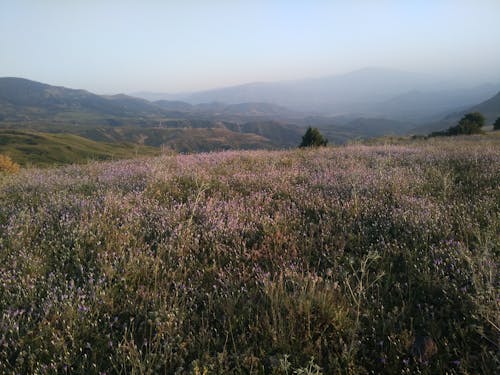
(471, 123)
(313, 138)
(496, 125)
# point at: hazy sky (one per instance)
(170, 46)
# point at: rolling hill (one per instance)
(426, 106)
(181, 139)
(25, 100)
(249, 118)
(489, 108)
(32, 106)
(44, 149)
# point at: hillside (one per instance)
(357, 259)
(426, 106)
(210, 126)
(44, 149)
(489, 108)
(32, 106)
(25, 100)
(222, 111)
(30, 101)
(182, 139)
(323, 94)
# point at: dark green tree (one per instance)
(471, 123)
(313, 138)
(496, 125)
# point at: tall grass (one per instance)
(337, 260)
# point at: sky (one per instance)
(111, 46)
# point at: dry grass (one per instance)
(337, 260)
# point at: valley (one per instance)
(122, 125)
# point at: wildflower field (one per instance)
(355, 259)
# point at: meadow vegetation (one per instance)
(313, 138)
(7, 165)
(471, 123)
(30, 148)
(354, 259)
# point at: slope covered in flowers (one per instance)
(331, 260)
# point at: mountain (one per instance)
(333, 94)
(257, 110)
(156, 96)
(374, 127)
(489, 108)
(25, 100)
(285, 135)
(181, 139)
(28, 105)
(341, 129)
(369, 92)
(426, 106)
(174, 105)
(356, 105)
(224, 111)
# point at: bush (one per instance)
(496, 125)
(7, 165)
(313, 138)
(471, 123)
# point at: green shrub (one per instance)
(471, 123)
(496, 125)
(313, 138)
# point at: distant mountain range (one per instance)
(370, 92)
(35, 107)
(22, 98)
(246, 120)
(25, 100)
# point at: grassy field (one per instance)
(182, 139)
(356, 259)
(30, 148)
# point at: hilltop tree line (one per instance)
(471, 123)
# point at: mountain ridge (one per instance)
(37, 106)
(368, 92)
(489, 108)
(23, 99)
